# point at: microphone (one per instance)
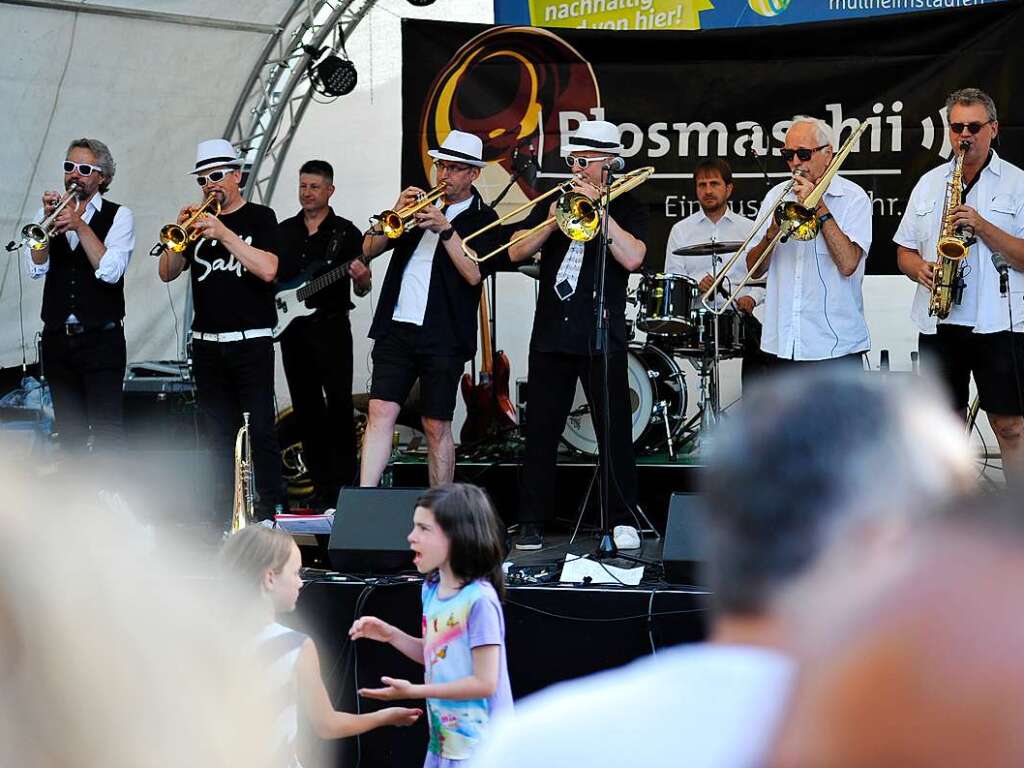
(615, 164)
(761, 166)
(999, 262)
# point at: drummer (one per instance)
(716, 222)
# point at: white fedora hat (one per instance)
(461, 147)
(594, 136)
(215, 153)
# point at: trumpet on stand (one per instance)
(37, 236)
(242, 509)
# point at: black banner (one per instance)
(679, 97)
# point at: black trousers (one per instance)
(231, 378)
(854, 361)
(552, 386)
(317, 356)
(86, 377)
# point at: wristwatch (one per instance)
(447, 234)
(823, 218)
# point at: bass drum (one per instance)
(657, 391)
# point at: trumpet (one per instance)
(394, 223)
(37, 236)
(794, 219)
(577, 216)
(176, 237)
(243, 505)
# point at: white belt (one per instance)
(255, 333)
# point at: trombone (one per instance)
(576, 215)
(37, 236)
(394, 223)
(794, 219)
(176, 237)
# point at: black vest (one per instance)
(72, 287)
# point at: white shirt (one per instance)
(120, 242)
(695, 706)
(698, 228)
(812, 311)
(998, 197)
(411, 306)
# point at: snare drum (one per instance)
(731, 335)
(668, 304)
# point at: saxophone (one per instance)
(242, 513)
(952, 246)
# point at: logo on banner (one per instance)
(768, 8)
(508, 86)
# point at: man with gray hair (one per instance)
(976, 336)
(84, 260)
(814, 308)
(815, 480)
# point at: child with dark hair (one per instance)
(457, 542)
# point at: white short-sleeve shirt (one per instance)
(812, 311)
(998, 196)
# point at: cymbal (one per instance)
(531, 270)
(708, 249)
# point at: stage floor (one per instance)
(554, 632)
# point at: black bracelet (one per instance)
(447, 234)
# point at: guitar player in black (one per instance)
(316, 350)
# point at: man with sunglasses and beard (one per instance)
(814, 307)
(562, 346)
(233, 264)
(425, 326)
(976, 337)
(83, 348)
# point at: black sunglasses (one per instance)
(85, 169)
(958, 128)
(803, 153)
(213, 176)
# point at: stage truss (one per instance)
(270, 107)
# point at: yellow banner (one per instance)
(619, 14)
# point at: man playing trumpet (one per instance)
(232, 262)
(814, 307)
(425, 325)
(84, 259)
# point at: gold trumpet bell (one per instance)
(173, 238)
(577, 217)
(802, 222)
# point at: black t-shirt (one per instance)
(569, 326)
(450, 323)
(336, 241)
(226, 296)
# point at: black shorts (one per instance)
(397, 365)
(955, 352)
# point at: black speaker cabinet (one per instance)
(684, 550)
(370, 526)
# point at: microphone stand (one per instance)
(606, 545)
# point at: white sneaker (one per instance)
(626, 537)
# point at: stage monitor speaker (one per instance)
(370, 526)
(685, 550)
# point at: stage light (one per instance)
(421, 3)
(333, 76)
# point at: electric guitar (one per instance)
(290, 299)
(489, 408)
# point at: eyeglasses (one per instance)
(583, 162)
(803, 153)
(84, 169)
(958, 128)
(213, 176)
(450, 167)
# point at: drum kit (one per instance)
(678, 327)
